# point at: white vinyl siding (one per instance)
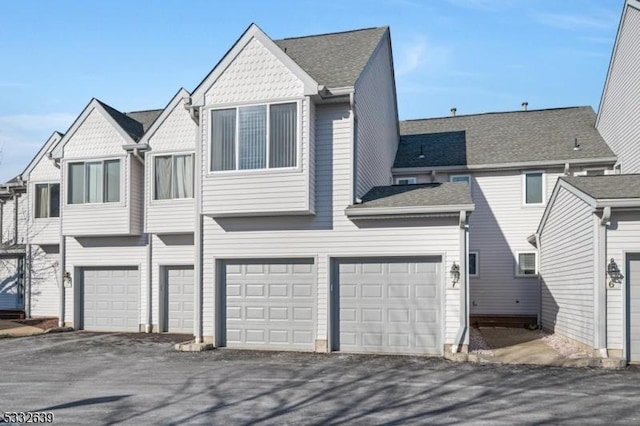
(623, 236)
(377, 122)
(330, 234)
(566, 268)
(44, 280)
(619, 110)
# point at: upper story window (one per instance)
(94, 182)
(460, 178)
(254, 137)
(527, 264)
(533, 183)
(173, 176)
(405, 180)
(47, 200)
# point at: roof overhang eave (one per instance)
(415, 211)
(630, 203)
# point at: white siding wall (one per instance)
(136, 182)
(623, 236)
(108, 252)
(168, 250)
(9, 220)
(175, 135)
(97, 138)
(43, 230)
(567, 268)
(257, 76)
(618, 116)
(45, 281)
(376, 122)
(329, 233)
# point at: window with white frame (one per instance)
(533, 183)
(460, 178)
(47, 200)
(254, 137)
(405, 180)
(527, 264)
(94, 182)
(173, 176)
(473, 264)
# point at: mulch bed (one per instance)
(43, 323)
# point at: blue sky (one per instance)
(476, 55)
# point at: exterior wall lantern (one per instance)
(614, 273)
(455, 274)
(66, 280)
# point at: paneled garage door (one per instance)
(179, 299)
(111, 299)
(633, 331)
(270, 304)
(388, 306)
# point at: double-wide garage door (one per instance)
(388, 306)
(110, 299)
(270, 304)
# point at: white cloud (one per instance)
(21, 136)
(420, 55)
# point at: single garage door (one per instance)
(178, 303)
(270, 304)
(388, 306)
(633, 330)
(111, 299)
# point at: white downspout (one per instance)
(197, 238)
(539, 248)
(600, 323)
(463, 285)
(62, 271)
(148, 326)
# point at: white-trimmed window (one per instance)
(474, 263)
(460, 178)
(526, 264)
(47, 200)
(405, 180)
(94, 182)
(173, 176)
(254, 137)
(533, 188)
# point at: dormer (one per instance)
(102, 169)
(169, 171)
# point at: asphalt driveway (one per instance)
(91, 378)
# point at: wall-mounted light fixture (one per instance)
(455, 274)
(66, 280)
(614, 273)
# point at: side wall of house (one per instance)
(45, 280)
(567, 268)
(330, 233)
(43, 230)
(620, 107)
(376, 122)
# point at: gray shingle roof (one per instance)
(427, 194)
(500, 138)
(607, 187)
(334, 60)
(146, 118)
(134, 123)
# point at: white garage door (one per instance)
(11, 283)
(388, 306)
(270, 304)
(179, 304)
(633, 332)
(111, 299)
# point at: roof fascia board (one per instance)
(310, 85)
(628, 3)
(387, 211)
(45, 149)
(560, 183)
(94, 104)
(505, 166)
(166, 112)
(617, 202)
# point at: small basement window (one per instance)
(473, 264)
(405, 181)
(527, 265)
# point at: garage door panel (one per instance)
(270, 304)
(633, 336)
(389, 306)
(179, 282)
(110, 299)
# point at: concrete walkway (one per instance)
(522, 346)
(13, 329)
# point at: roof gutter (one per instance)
(361, 212)
(503, 166)
(618, 203)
